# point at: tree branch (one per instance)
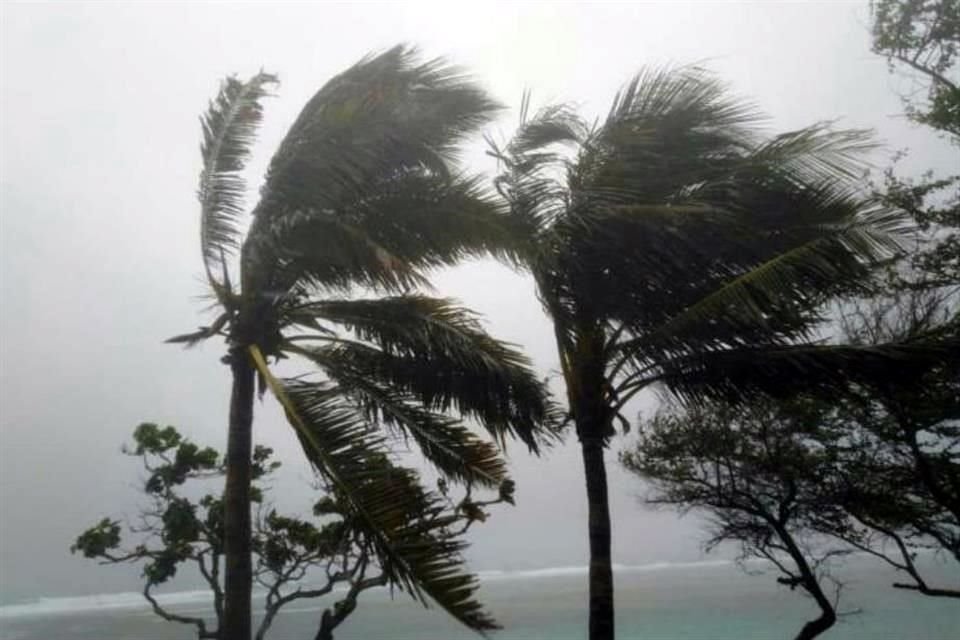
(172, 617)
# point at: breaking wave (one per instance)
(200, 599)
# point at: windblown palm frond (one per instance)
(387, 240)
(667, 131)
(372, 155)
(817, 151)
(384, 116)
(443, 441)
(387, 505)
(681, 98)
(777, 298)
(326, 251)
(433, 221)
(679, 223)
(437, 352)
(739, 374)
(229, 131)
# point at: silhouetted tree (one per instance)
(752, 471)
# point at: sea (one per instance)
(704, 600)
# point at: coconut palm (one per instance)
(672, 244)
(361, 198)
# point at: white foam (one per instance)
(199, 599)
(551, 572)
(98, 602)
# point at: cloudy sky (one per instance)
(99, 256)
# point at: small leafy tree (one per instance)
(923, 36)
(294, 557)
(754, 473)
(899, 474)
(877, 469)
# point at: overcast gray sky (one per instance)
(99, 256)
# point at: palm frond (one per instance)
(433, 221)
(324, 251)
(386, 503)
(737, 374)
(229, 131)
(552, 125)
(685, 97)
(444, 442)
(196, 337)
(779, 298)
(667, 129)
(817, 151)
(438, 352)
(533, 164)
(387, 115)
(421, 221)
(375, 148)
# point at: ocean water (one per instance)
(694, 601)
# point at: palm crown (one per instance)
(675, 236)
(363, 195)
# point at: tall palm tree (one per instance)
(361, 196)
(672, 244)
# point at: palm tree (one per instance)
(361, 196)
(672, 244)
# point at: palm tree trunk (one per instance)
(601, 571)
(238, 574)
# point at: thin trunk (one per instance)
(327, 625)
(815, 627)
(601, 571)
(332, 619)
(809, 582)
(238, 574)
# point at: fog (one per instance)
(99, 242)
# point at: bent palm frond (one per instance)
(738, 374)
(779, 298)
(327, 252)
(387, 505)
(372, 155)
(439, 353)
(386, 240)
(385, 116)
(443, 441)
(229, 131)
(813, 152)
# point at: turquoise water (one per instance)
(698, 601)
